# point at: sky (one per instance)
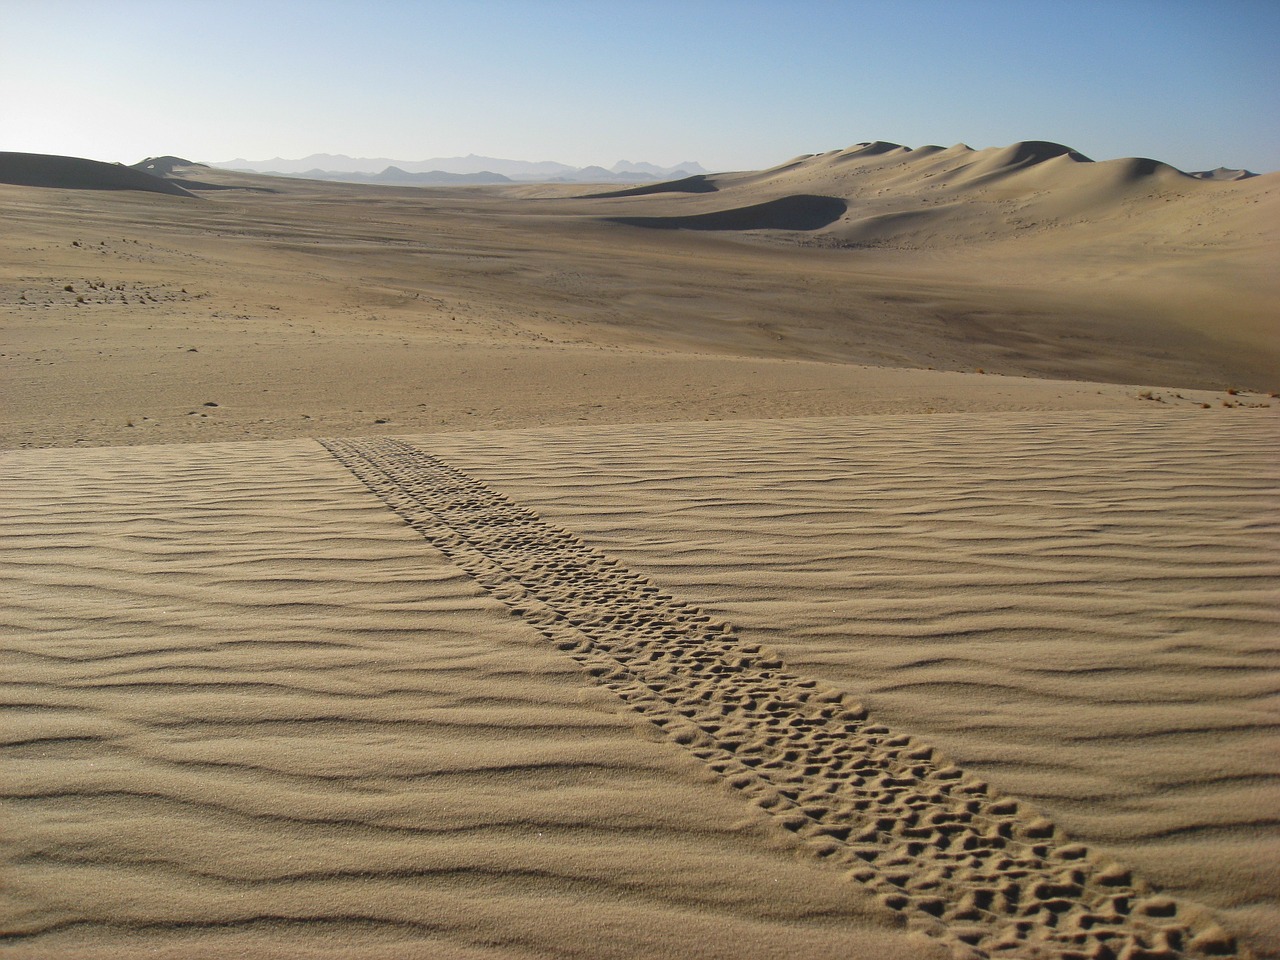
(732, 84)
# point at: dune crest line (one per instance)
(981, 872)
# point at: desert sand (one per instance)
(875, 556)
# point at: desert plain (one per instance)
(875, 556)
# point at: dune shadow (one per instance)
(695, 184)
(76, 173)
(200, 185)
(800, 212)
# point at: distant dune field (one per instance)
(292, 303)
(873, 557)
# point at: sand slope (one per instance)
(74, 173)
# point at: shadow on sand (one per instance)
(800, 212)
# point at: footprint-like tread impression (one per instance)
(981, 872)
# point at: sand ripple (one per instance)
(1081, 609)
(248, 713)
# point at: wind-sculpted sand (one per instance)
(1080, 609)
(860, 687)
(249, 713)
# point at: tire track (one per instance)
(981, 872)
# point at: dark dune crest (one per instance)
(1223, 173)
(171, 169)
(76, 173)
(164, 166)
(1038, 151)
(1137, 168)
(872, 149)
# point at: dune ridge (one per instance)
(931, 197)
(795, 212)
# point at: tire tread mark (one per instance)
(983, 873)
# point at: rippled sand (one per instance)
(1082, 608)
(250, 711)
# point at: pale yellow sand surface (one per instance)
(248, 712)
(1083, 608)
(248, 708)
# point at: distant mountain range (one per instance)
(468, 169)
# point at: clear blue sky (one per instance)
(734, 84)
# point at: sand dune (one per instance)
(888, 572)
(1000, 162)
(127, 313)
(1157, 238)
(990, 195)
(699, 183)
(167, 166)
(1223, 173)
(73, 173)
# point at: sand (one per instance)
(487, 573)
(1078, 608)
